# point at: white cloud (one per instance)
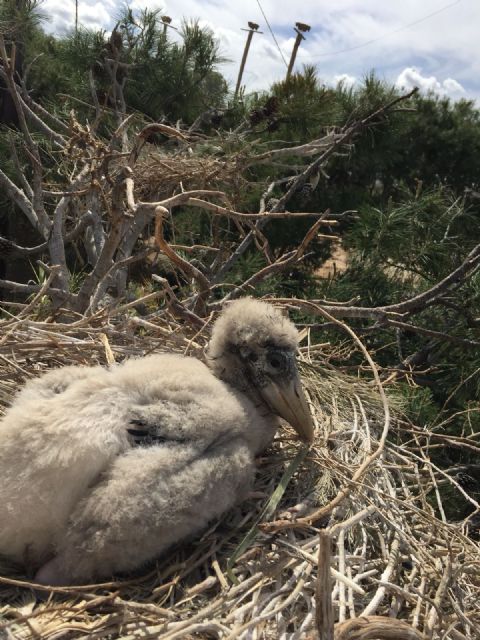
(411, 77)
(154, 5)
(345, 80)
(92, 15)
(96, 16)
(453, 87)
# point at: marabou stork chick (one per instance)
(105, 469)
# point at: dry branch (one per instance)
(323, 596)
(376, 628)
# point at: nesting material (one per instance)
(158, 176)
(394, 556)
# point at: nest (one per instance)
(397, 565)
(158, 176)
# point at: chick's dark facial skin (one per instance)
(272, 372)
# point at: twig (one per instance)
(376, 628)
(323, 595)
(204, 286)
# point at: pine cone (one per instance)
(271, 202)
(271, 106)
(306, 191)
(256, 116)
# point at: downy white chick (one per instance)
(104, 469)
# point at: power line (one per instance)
(273, 35)
(386, 35)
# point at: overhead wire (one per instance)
(271, 31)
(386, 35)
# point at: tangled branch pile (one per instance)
(89, 201)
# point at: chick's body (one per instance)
(104, 469)
(81, 489)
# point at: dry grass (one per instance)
(394, 553)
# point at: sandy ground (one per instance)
(336, 264)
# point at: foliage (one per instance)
(306, 106)
(166, 79)
(19, 19)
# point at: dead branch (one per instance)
(10, 248)
(294, 257)
(223, 211)
(376, 628)
(36, 288)
(204, 286)
(20, 199)
(177, 309)
(58, 140)
(324, 616)
(440, 335)
(182, 198)
(148, 131)
(395, 312)
(118, 225)
(308, 149)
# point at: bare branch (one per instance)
(42, 126)
(223, 211)
(308, 149)
(279, 265)
(18, 196)
(34, 288)
(10, 248)
(182, 198)
(119, 223)
(378, 627)
(394, 312)
(323, 594)
(204, 286)
(347, 135)
(469, 266)
(176, 307)
(42, 113)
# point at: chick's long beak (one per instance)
(288, 401)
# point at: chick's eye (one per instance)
(252, 357)
(275, 361)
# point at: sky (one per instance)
(433, 44)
